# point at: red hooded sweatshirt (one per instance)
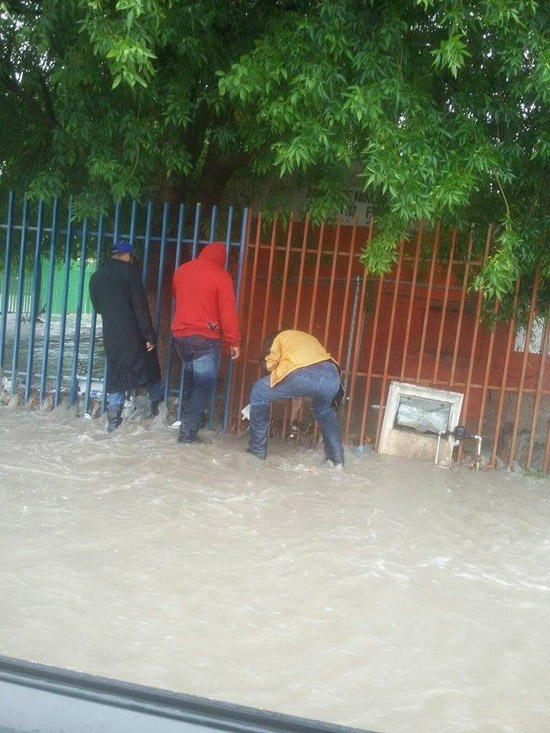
(205, 300)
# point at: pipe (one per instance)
(352, 331)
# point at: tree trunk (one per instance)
(215, 175)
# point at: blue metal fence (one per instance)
(49, 343)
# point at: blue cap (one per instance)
(122, 247)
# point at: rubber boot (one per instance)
(114, 416)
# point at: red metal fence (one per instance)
(421, 323)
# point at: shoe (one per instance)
(114, 418)
(195, 441)
(250, 452)
(333, 466)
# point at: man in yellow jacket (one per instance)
(298, 366)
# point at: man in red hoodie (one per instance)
(204, 313)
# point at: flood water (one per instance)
(396, 596)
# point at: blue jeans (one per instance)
(116, 399)
(200, 356)
(321, 382)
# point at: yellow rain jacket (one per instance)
(292, 350)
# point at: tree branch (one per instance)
(11, 85)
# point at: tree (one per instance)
(441, 105)
(444, 105)
(108, 99)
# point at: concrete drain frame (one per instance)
(399, 436)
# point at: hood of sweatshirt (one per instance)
(214, 253)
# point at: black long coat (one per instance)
(117, 293)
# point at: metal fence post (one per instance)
(160, 274)
(114, 235)
(196, 232)
(18, 309)
(78, 322)
(227, 248)
(352, 331)
(147, 242)
(67, 275)
(49, 301)
(93, 325)
(35, 297)
(6, 277)
(242, 249)
(168, 370)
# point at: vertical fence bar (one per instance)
(63, 326)
(245, 230)
(526, 351)
(213, 221)
(329, 308)
(229, 229)
(357, 342)
(299, 284)
(213, 218)
(114, 236)
(427, 308)
(546, 458)
(133, 217)
(196, 234)
(6, 277)
(502, 391)
(372, 352)
(332, 279)
(474, 341)
(35, 298)
(196, 231)
(250, 311)
(246, 224)
(49, 301)
(162, 257)
(299, 288)
(487, 372)
(89, 371)
(444, 307)
(284, 287)
(316, 277)
(20, 283)
(351, 334)
(461, 307)
(540, 387)
(147, 243)
(131, 237)
(168, 369)
(346, 301)
(272, 246)
(78, 321)
(193, 255)
(242, 246)
(116, 223)
(285, 269)
(390, 340)
(411, 300)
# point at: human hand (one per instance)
(235, 352)
(149, 345)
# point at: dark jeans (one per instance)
(116, 399)
(201, 358)
(318, 381)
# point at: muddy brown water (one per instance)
(396, 596)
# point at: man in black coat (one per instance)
(117, 293)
